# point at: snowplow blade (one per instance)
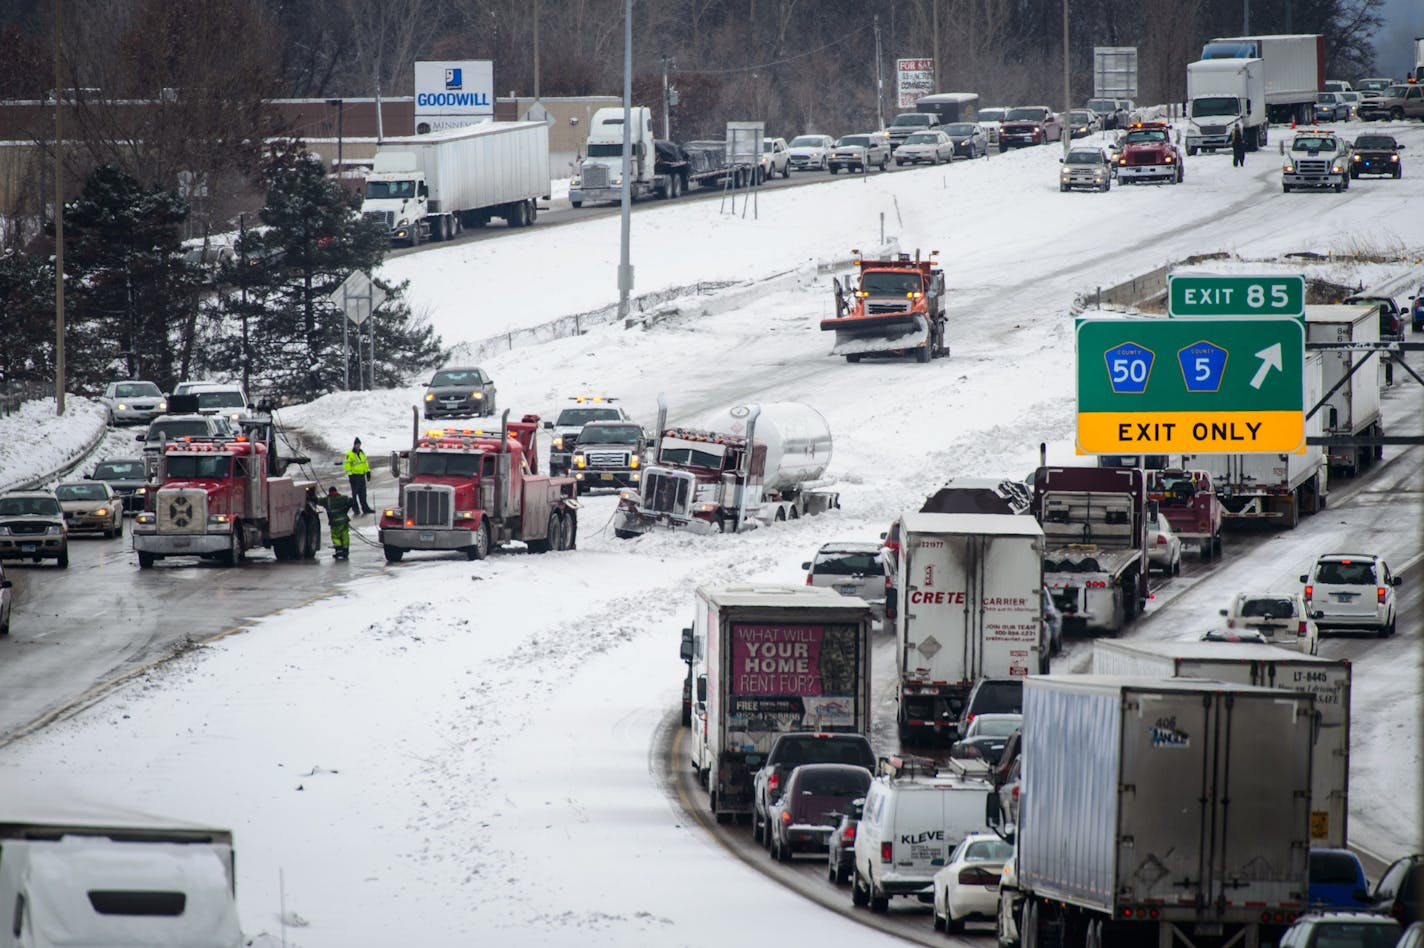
(887, 332)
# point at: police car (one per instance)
(567, 427)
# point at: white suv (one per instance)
(1281, 618)
(1350, 590)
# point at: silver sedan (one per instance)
(932, 147)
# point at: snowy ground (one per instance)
(460, 752)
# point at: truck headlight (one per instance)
(145, 518)
(580, 461)
(218, 519)
(121, 407)
(430, 396)
(1064, 174)
(477, 395)
(1288, 169)
(704, 508)
(54, 529)
(102, 512)
(393, 512)
(633, 461)
(1337, 168)
(465, 514)
(557, 442)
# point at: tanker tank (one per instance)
(796, 437)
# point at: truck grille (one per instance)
(1312, 166)
(429, 505)
(608, 459)
(595, 176)
(1144, 158)
(388, 218)
(1212, 131)
(887, 307)
(666, 493)
(26, 528)
(182, 510)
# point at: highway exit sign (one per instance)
(1258, 296)
(1193, 386)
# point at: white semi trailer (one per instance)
(430, 187)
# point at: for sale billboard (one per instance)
(453, 93)
(913, 78)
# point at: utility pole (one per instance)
(934, 43)
(625, 267)
(667, 127)
(380, 127)
(537, 5)
(1067, 85)
(879, 81)
(1245, 17)
(58, 225)
(242, 281)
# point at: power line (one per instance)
(775, 62)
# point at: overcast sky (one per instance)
(1394, 44)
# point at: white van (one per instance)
(914, 817)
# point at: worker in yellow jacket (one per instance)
(358, 468)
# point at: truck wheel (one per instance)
(233, 554)
(393, 553)
(312, 537)
(482, 544)
(62, 561)
(879, 901)
(835, 169)
(1206, 551)
(1191, 151)
(922, 354)
(576, 203)
(859, 895)
(285, 548)
(758, 827)
(1028, 924)
(570, 530)
(145, 560)
(952, 925)
(853, 357)
(1293, 511)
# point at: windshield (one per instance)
(172, 430)
(390, 189)
(768, 146)
(990, 726)
(578, 417)
(1084, 158)
(80, 492)
(220, 400)
(808, 141)
(1374, 85)
(991, 115)
(117, 470)
(849, 140)
(434, 464)
(192, 467)
(1102, 105)
(605, 150)
(921, 138)
(1338, 933)
(989, 850)
(136, 390)
(675, 451)
(1027, 115)
(1146, 135)
(610, 434)
(1274, 607)
(29, 507)
(1345, 574)
(913, 118)
(848, 563)
(1374, 141)
(1215, 105)
(886, 283)
(1326, 98)
(1313, 144)
(1080, 118)
(457, 377)
(960, 128)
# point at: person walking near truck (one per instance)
(358, 468)
(338, 515)
(1238, 147)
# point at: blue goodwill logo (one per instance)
(454, 79)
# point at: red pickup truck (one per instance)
(1189, 501)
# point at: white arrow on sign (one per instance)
(1270, 359)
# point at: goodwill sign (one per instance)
(453, 92)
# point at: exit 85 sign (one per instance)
(1251, 296)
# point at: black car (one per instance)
(992, 696)
(1376, 154)
(126, 477)
(456, 392)
(790, 751)
(840, 849)
(1399, 893)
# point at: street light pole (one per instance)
(340, 135)
(1067, 86)
(58, 226)
(625, 267)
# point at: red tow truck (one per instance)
(1148, 154)
(1189, 501)
(217, 498)
(897, 308)
(473, 489)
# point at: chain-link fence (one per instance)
(15, 394)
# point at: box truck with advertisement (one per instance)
(766, 660)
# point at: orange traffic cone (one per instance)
(1292, 121)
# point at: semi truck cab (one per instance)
(397, 194)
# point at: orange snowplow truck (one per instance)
(473, 489)
(896, 308)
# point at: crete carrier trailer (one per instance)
(766, 660)
(1269, 667)
(969, 607)
(743, 466)
(1162, 812)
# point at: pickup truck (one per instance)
(1189, 502)
(790, 751)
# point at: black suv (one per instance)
(1376, 154)
(792, 750)
(1400, 891)
(992, 696)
